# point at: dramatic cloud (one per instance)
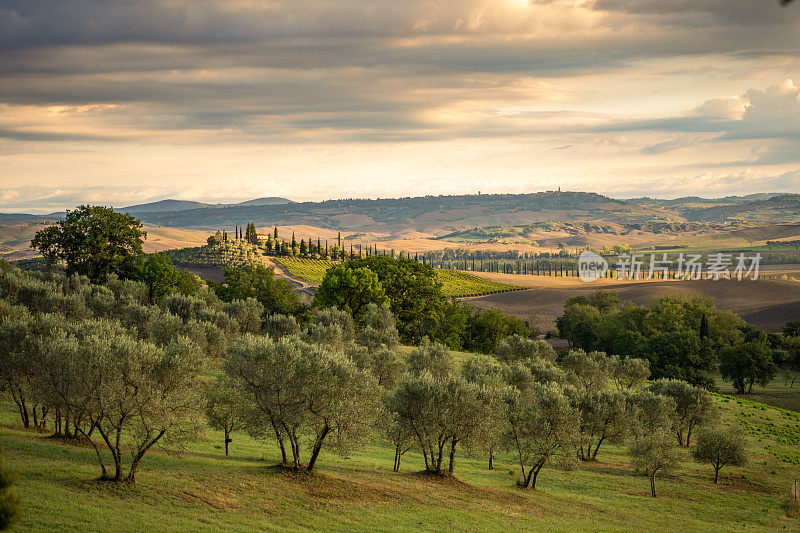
(331, 98)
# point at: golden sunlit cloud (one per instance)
(207, 100)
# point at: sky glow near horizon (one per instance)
(121, 102)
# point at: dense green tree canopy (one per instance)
(162, 277)
(414, 294)
(747, 365)
(260, 283)
(93, 241)
(350, 289)
(680, 336)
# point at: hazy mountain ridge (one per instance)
(453, 213)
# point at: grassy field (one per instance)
(455, 283)
(781, 392)
(200, 489)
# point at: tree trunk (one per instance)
(653, 483)
(451, 465)
(317, 447)
(716, 474)
(491, 459)
(23, 411)
(535, 475)
(597, 448)
(227, 440)
(438, 464)
(138, 457)
(279, 438)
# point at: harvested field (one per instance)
(766, 304)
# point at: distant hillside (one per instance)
(782, 208)
(163, 206)
(269, 200)
(454, 212)
(688, 200)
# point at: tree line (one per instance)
(681, 337)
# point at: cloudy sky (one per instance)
(125, 101)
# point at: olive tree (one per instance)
(132, 394)
(591, 371)
(16, 370)
(247, 314)
(518, 348)
(604, 418)
(649, 413)
(395, 430)
(332, 327)
(432, 357)
(542, 428)
(302, 390)
(653, 453)
(440, 413)
(387, 365)
(629, 372)
(693, 407)
(379, 329)
(224, 409)
(277, 326)
(720, 447)
(487, 373)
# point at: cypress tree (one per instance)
(703, 326)
(276, 233)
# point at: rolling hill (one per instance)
(163, 206)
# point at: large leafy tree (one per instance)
(414, 293)
(162, 277)
(260, 283)
(487, 327)
(747, 365)
(350, 289)
(93, 241)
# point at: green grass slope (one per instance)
(201, 489)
